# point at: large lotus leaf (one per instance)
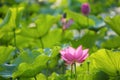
(42, 26)
(98, 23)
(41, 77)
(12, 19)
(6, 19)
(67, 35)
(53, 38)
(6, 37)
(115, 78)
(114, 23)
(31, 70)
(55, 51)
(38, 77)
(26, 79)
(26, 56)
(112, 43)
(44, 23)
(5, 53)
(22, 41)
(54, 57)
(55, 76)
(1, 78)
(100, 75)
(88, 40)
(30, 32)
(107, 61)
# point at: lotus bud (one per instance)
(85, 9)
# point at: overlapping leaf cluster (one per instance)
(30, 42)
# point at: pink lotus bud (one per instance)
(85, 9)
(71, 55)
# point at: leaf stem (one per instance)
(14, 38)
(42, 45)
(47, 71)
(11, 78)
(15, 45)
(18, 78)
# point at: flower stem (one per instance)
(88, 66)
(88, 21)
(71, 71)
(35, 78)
(75, 71)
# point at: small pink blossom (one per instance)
(71, 55)
(85, 8)
(66, 23)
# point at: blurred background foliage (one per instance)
(31, 36)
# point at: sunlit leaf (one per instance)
(112, 43)
(107, 61)
(12, 19)
(31, 70)
(88, 40)
(44, 23)
(53, 38)
(114, 23)
(5, 53)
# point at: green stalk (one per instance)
(71, 71)
(14, 38)
(18, 78)
(35, 78)
(75, 71)
(14, 34)
(42, 45)
(15, 45)
(117, 78)
(11, 78)
(47, 71)
(88, 21)
(63, 68)
(88, 66)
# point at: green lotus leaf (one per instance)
(107, 61)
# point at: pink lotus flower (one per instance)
(71, 55)
(85, 9)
